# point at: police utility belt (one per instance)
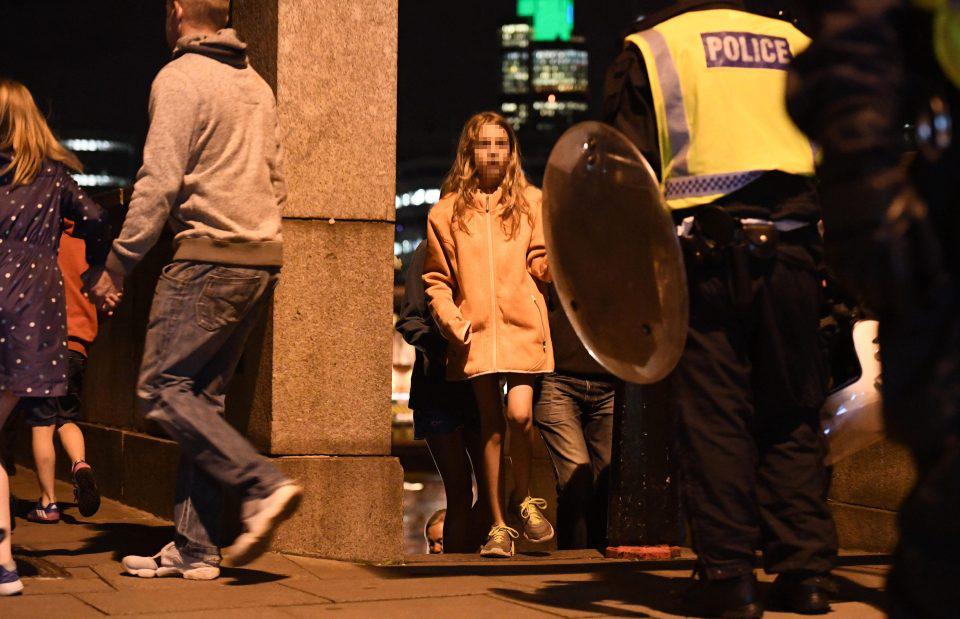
(713, 234)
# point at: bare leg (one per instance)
(72, 440)
(480, 519)
(45, 457)
(486, 388)
(520, 417)
(452, 462)
(7, 402)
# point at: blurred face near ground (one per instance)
(435, 537)
(490, 154)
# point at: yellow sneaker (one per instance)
(536, 527)
(499, 542)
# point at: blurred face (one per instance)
(491, 153)
(435, 538)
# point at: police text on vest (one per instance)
(746, 50)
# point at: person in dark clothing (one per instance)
(891, 232)
(574, 413)
(751, 379)
(445, 414)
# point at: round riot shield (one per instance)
(614, 253)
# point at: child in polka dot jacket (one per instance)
(36, 193)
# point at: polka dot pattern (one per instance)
(33, 331)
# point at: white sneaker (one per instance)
(261, 517)
(170, 562)
(10, 583)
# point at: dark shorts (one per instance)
(42, 412)
(432, 422)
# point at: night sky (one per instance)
(90, 63)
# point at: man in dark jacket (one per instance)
(751, 380)
(574, 413)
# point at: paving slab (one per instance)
(396, 589)
(81, 573)
(33, 606)
(326, 569)
(472, 606)
(188, 598)
(233, 613)
(46, 586)
(631, 594)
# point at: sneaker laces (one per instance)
(497, 531)
(530, 509)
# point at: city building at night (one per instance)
(544, 71)
(418, 189)
(109, 162)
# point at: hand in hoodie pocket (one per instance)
(464, 333)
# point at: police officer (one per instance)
(893, 233)
(700, 89)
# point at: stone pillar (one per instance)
(316, 395)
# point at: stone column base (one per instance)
(352, 509)
(866, 493)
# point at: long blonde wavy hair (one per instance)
(25, 133)
(464, 179)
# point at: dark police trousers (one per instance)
(201, 317)
(749, 387)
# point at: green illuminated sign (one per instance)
(552, 19)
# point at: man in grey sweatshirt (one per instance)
(213, 171)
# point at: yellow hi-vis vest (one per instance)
(718, 79)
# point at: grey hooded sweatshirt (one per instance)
(212, 164)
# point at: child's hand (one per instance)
(464, 336)
(104, 289)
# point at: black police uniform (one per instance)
(892, 231)
(752, 377)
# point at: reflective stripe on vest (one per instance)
(723, 72)
(676, 113)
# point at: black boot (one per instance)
(803, 593)
(731, 598)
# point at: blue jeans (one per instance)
(201, 317)
(575, 417)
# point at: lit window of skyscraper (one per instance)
(516, 72)
(544, 69)
(515, 35)
(560, 70)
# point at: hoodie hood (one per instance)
(223, 46)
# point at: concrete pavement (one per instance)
(72, 569)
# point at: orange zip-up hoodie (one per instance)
(483, 290)
(81, 314)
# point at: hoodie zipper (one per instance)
(493, 288)
(543, 330)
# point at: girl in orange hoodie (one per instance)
(485, 254)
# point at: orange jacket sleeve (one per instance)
(439, 279)
(537, 264)
(81, 314)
